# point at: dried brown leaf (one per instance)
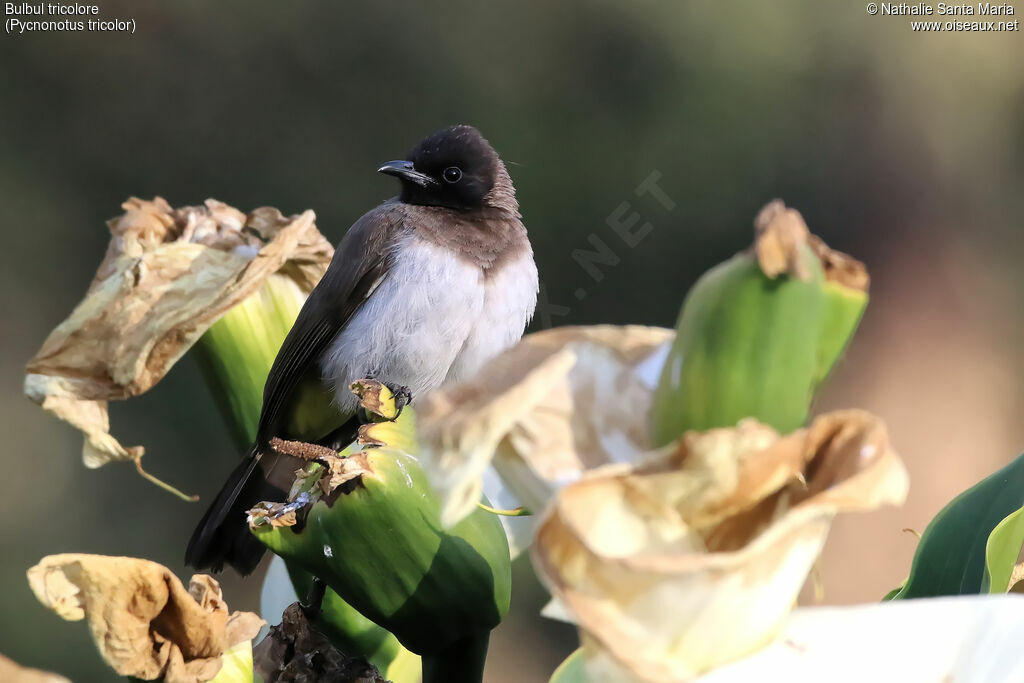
(780, 235)
(720, 523)
(341, 470)
(839, 267)
(375, 398)
(145, 624)
(278, 514)
(559, 402)
(167, 276)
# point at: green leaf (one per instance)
(571, 670)
(951, 557)
(893, 593)
(1001, 552)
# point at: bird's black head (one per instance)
(455, 168)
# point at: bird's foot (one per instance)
(402, 397)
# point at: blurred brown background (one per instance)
(905, 149)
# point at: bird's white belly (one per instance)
(510, 295)
(433, 318)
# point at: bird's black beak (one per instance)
(405, 171)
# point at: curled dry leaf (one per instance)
(780, 235)
(376, 398)
(167, 276)
(383, 407)
(142, 619)
(341, 470)
(278, 514)
(839, 267)
(722, 525)
(559, 402)
(11, 672)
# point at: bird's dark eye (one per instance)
(452, 174)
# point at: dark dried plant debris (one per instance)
(295, 653)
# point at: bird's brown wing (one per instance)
(361, 260)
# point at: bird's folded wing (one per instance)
(361, 261)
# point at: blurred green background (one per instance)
(905, 149)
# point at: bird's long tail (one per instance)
(222, 536)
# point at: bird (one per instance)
(421, 292)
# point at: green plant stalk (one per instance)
(463, 661)
(379, 543)
(235, 355)
(844, 308)
(751, 346)
(746, 346)
(346, 628)
(236, 352)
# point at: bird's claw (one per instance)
(402, 397)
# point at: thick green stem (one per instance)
(235, 356)
(236, 353)
(463, 661)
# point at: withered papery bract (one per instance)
(11, 672)
(559, 402)
(693, 556)
(145, 624)
(671, 561)
(167, 276)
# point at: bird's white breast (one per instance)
(434, 318)
(509, 297)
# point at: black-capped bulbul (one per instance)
(422, 290)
